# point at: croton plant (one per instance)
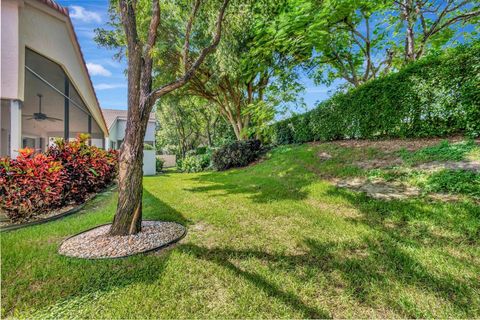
(67, 172)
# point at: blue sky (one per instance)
(108, 74)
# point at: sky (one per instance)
(108, 74)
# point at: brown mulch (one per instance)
(38, 217)
(46, 215)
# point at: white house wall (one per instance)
(10, 50)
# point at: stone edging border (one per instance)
(58, 216)
(128, 255)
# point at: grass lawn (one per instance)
(272, 240)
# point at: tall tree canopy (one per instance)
(358, 40)
(245, 86)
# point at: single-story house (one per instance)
(46, 91)
(117, 122)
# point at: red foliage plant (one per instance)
(30, 183)
(67, 172)
(88, 168)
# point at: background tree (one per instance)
(187, 122)
(140, 22)
(432, 24)
(358, 40)
(243, 82)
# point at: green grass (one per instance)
(462, 182)
(444, 151)
(454, 181)
(273, 240)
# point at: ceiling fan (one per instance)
(39, 116)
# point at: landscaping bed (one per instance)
(7, 225)
(273, 240)
(37, 186)
(96, 243)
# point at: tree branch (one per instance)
(163, 90)
(188, 30)
(147, 56)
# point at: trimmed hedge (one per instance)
(436, 96)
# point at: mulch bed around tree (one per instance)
(51, 215)
(97, 244)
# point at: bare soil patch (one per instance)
(324, 156)
(97, 244)
(379, 189)
(396, 144)
(379, 163)
(470, 165)
(386, 190)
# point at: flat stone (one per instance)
(324, 156)
(98, 244)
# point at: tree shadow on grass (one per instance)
(366, 270)
(222, 258)
(155, 209)
(403, 228)
(279, 181)
(49, 280)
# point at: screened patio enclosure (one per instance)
(52, 108)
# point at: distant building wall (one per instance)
(149, 168)
(170, 160)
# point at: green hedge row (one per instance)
(436, 96)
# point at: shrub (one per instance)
(201, 150)
(194, 163)
(147, 146)
(435, 96)
(88, 168)
(236, 154)
(30, 183)
(159, 162)
(67, 172)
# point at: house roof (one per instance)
(111, 115)
(52, 4)
(64, 11)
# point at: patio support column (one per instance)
(90, 129)
(66, 127)
(15, 127)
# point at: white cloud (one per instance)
(80, 13)
(107, 86)
(97, 70)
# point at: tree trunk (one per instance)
(130, 186)
(141, 98)
(128, 217)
